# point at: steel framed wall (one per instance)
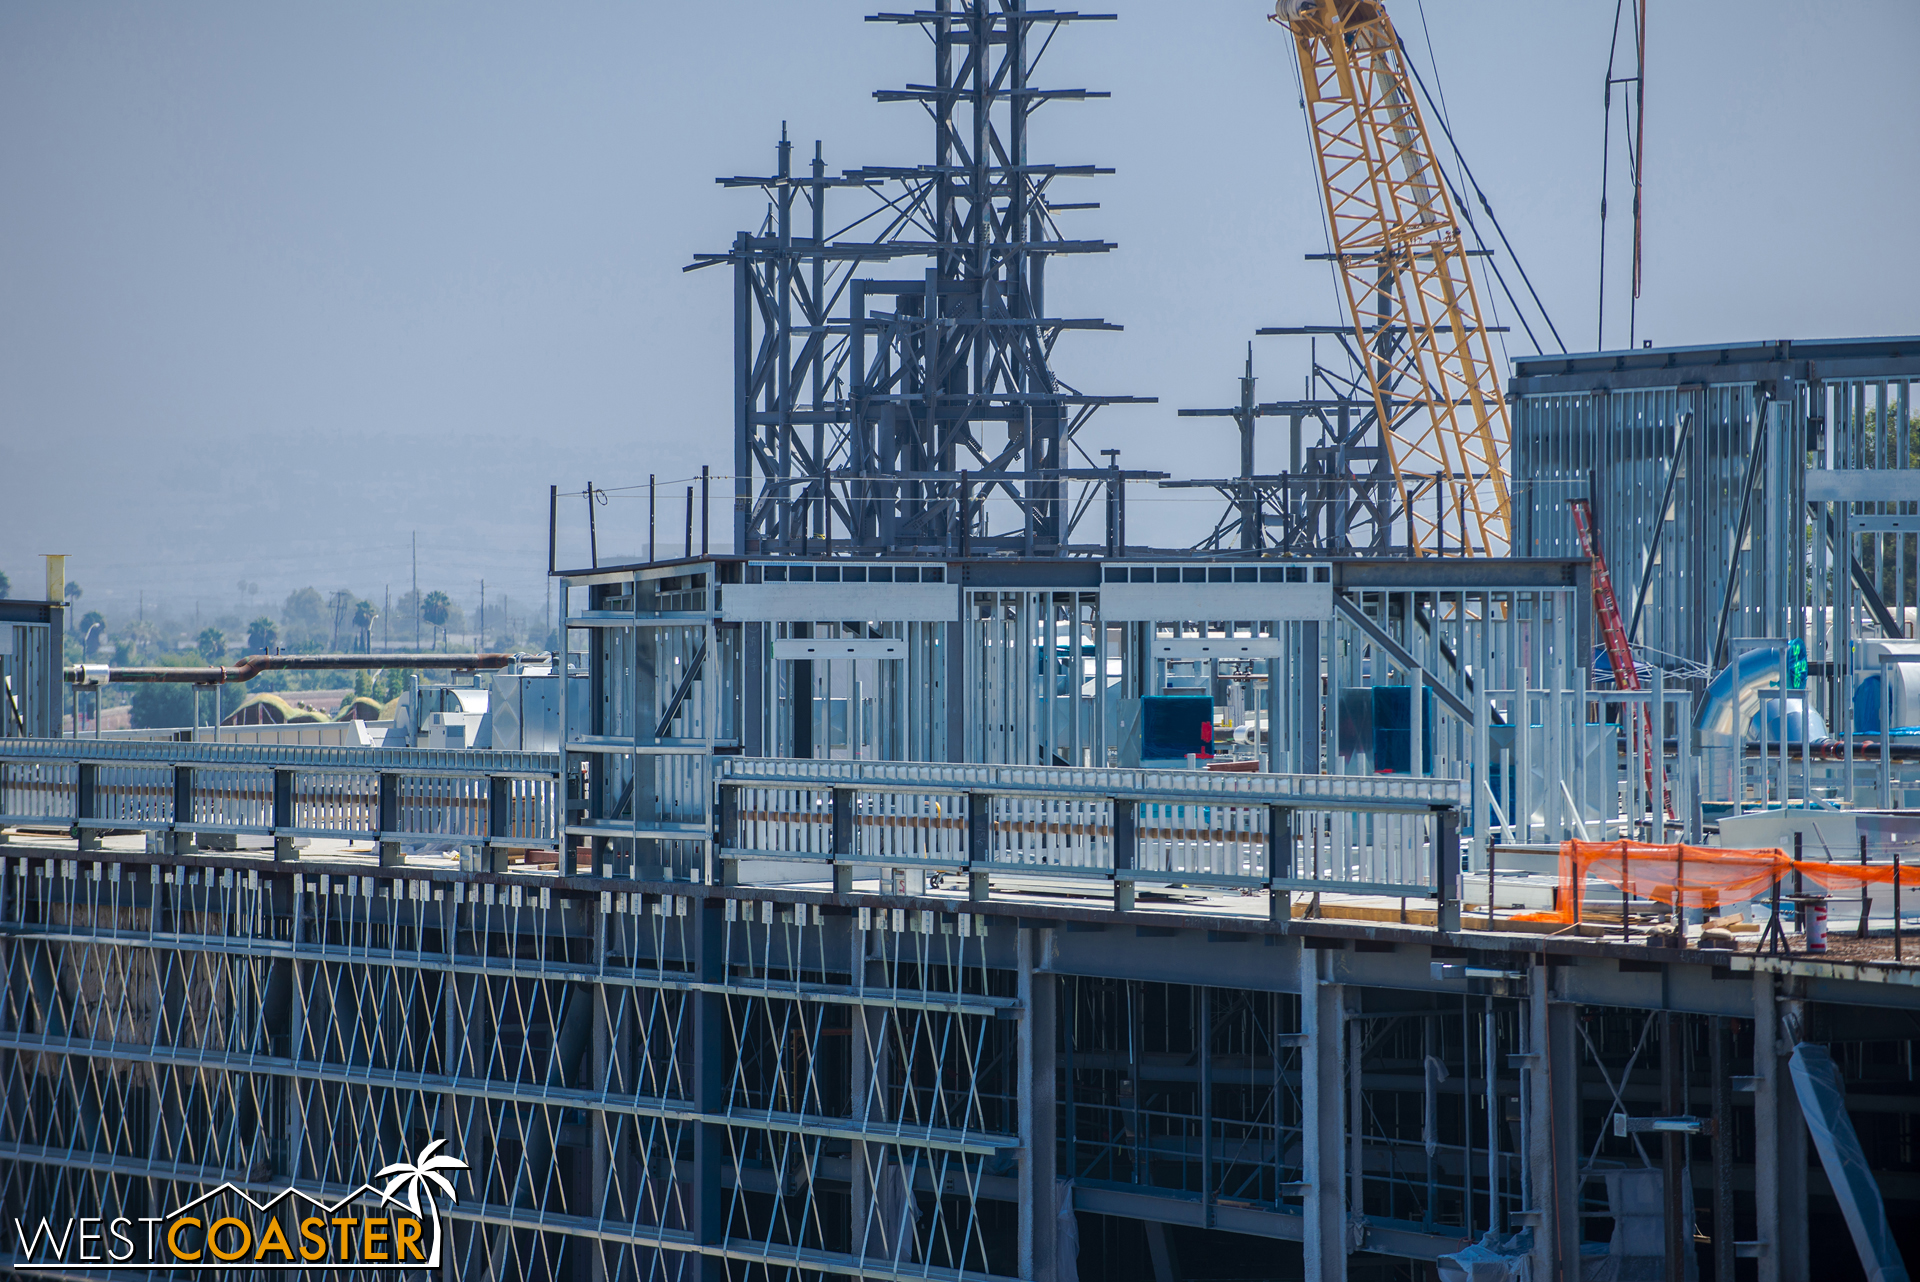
(671, 1081)
(1617, 447)
(31, 698)
(643, 1085)
(1756, 419)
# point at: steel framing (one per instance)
(863, 405)
(31, 700)
(1723, 479)
(1762, 416)
(838, 940)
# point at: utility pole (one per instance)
(416, 591)
(483, 616)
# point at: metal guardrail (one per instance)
(448, 761)
(395, 797)
(1345, 792)
(1375, 835)
(1367, 835)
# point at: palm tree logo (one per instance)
(424, 1171)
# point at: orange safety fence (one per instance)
(1697, 876)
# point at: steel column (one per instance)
(1564, 1138)
(707, 1197)
(1673, 1166)
(1036, 1089)
(1322, 1113)
(1721, 1033)
(1780, 1142)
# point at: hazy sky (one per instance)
(282, 284)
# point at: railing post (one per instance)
(499, 821)
(386, 820)
(1446, 867)
(1126, 851)
(283, 815)
(182, 840)
(842, 840)
(85, 792)
(979, 844)
(1279, 863)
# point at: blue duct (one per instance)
(1803, 722)
(1866, 705)
(1739, 682)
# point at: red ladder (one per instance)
(1614, 633)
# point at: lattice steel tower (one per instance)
(870, 413)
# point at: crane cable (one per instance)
(1466, 211)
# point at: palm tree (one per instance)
(363, 616)
(261, 634)
(437, 609)
(141, 637)
(212, 645)
(423, 1171)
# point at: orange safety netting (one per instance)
(1697, 876)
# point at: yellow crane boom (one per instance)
(1403, 267)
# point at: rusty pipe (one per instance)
(92, 674)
